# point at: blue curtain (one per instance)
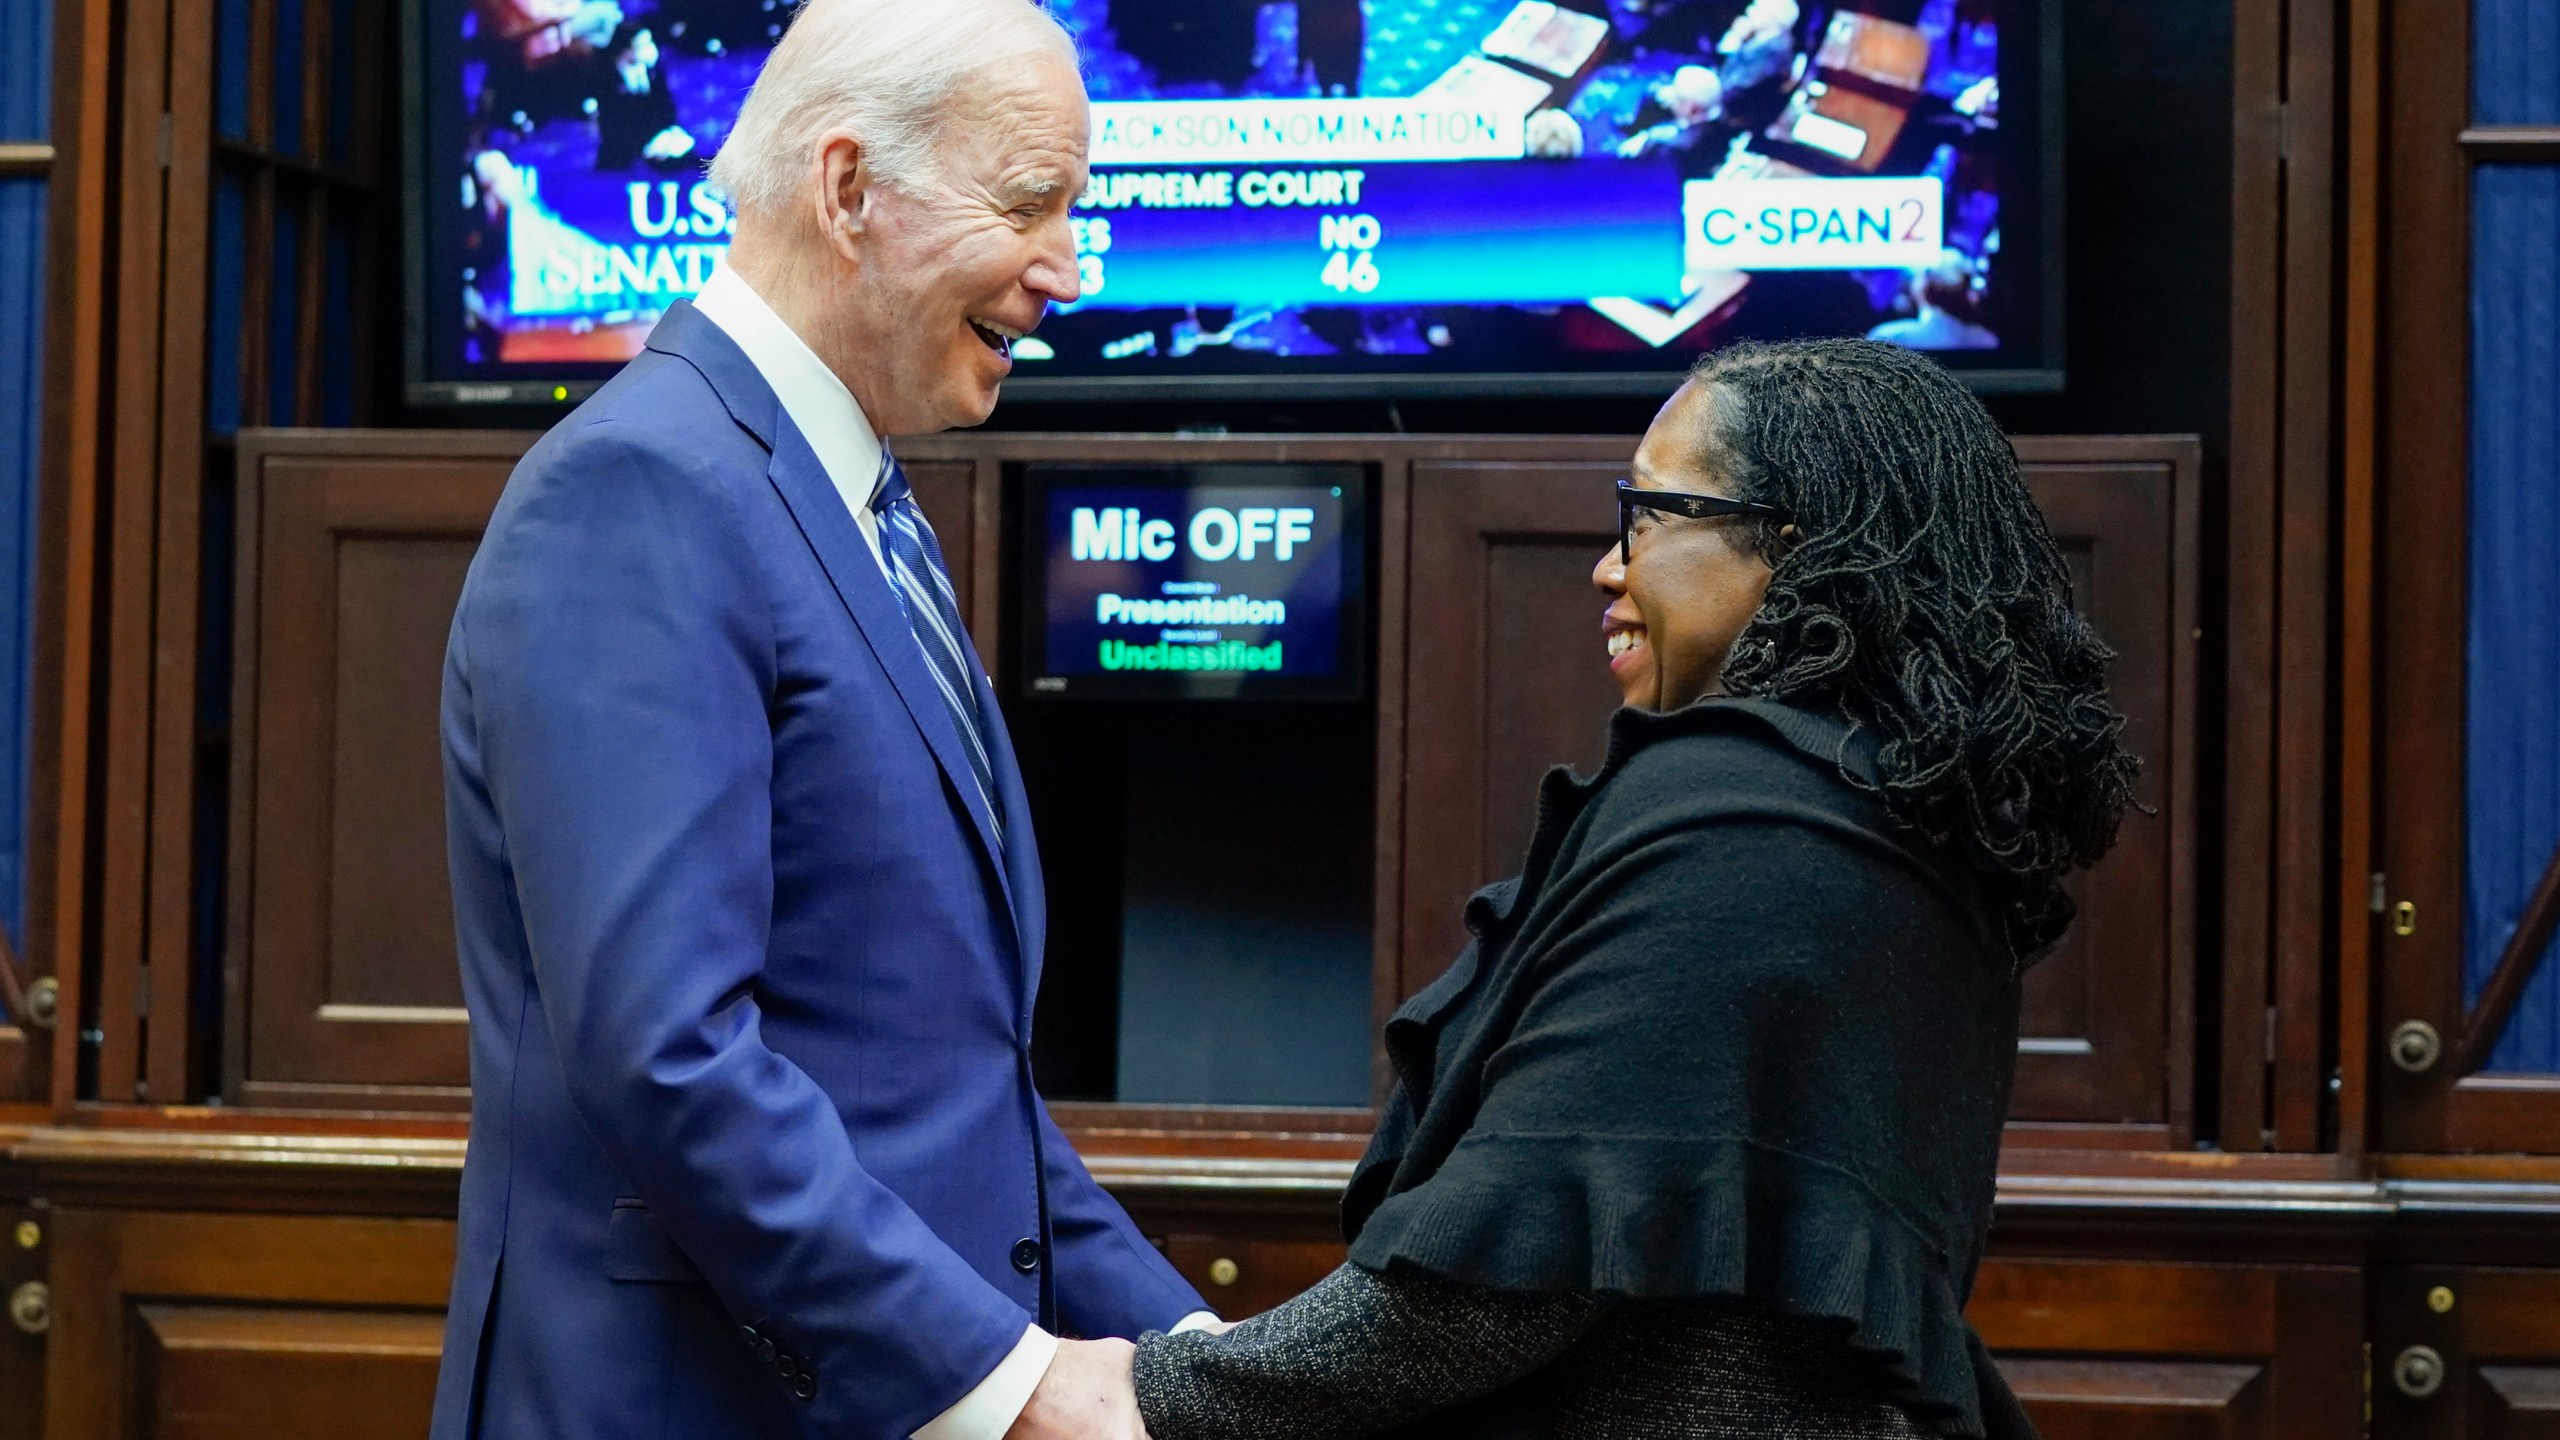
(2513, 802)
(2515, 62)
(26, 100)
(2513, 715)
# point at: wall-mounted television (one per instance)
(1196, 582)
(1313, 197)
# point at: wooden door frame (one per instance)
(2428, 149)
(69, 499)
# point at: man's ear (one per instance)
(842, 187)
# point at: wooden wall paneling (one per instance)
(211, 1327)
(2359, 373)
(1393, 614)
(69, 510)
(319, 40)
(341, 986)
(948, 495)
(985, 600)
(168, 953)
(313, 295)
(2424, 508)
(125, 868)
(2250, 520)
(1505, 674)
(2301, 958)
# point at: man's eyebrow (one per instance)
(1037, 187)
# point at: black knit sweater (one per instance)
(1732, 1036)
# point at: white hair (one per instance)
(879, 68)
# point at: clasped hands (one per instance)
(1089, 1393)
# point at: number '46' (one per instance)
(1357, 274)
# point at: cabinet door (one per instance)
(244, 1327)
(2466, 811)
(1506, 677)
(2466, 1353)
(342, 988)
(2142, 1350)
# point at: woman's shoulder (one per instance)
(1736, 756)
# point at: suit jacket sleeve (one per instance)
(1110, 1281)
(618, 646)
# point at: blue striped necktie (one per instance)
(923, 588)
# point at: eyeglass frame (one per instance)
(1632, 498)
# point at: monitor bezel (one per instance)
(1351, 682)
(2045, 375)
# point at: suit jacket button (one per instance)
(1026, 1255)
(786, 1365)
(806, 1386)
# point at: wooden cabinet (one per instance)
(172, 1326)
(1505, 680)
(342, 987)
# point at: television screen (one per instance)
(1213, 581)
(1314, 196)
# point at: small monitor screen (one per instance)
(1214, 581)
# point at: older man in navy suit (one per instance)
(749, 903)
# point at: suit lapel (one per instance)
(1022, 854)
(819, 510)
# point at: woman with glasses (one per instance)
(1697, 1137)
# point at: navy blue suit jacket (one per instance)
(754, 1149)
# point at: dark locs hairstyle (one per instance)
(1923, 596)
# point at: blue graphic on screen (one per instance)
(1389, 186)
(1209, 581)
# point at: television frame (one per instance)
(2046, 376)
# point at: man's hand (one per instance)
(1088, 1394)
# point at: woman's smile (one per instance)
(1626, 641)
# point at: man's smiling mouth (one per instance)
(998, 338)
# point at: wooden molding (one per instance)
(2511, 144)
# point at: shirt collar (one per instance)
(811, 394)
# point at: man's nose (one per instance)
(1054, 272)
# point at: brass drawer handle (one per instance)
(2415, 1046)
(2418, 1372)
(31, 1308)
(1223, 1271)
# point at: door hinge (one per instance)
(2377, 895)
(2271, 1035)
(168, 137)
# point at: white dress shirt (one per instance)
(825, 412)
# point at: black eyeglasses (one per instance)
(1676, 502)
